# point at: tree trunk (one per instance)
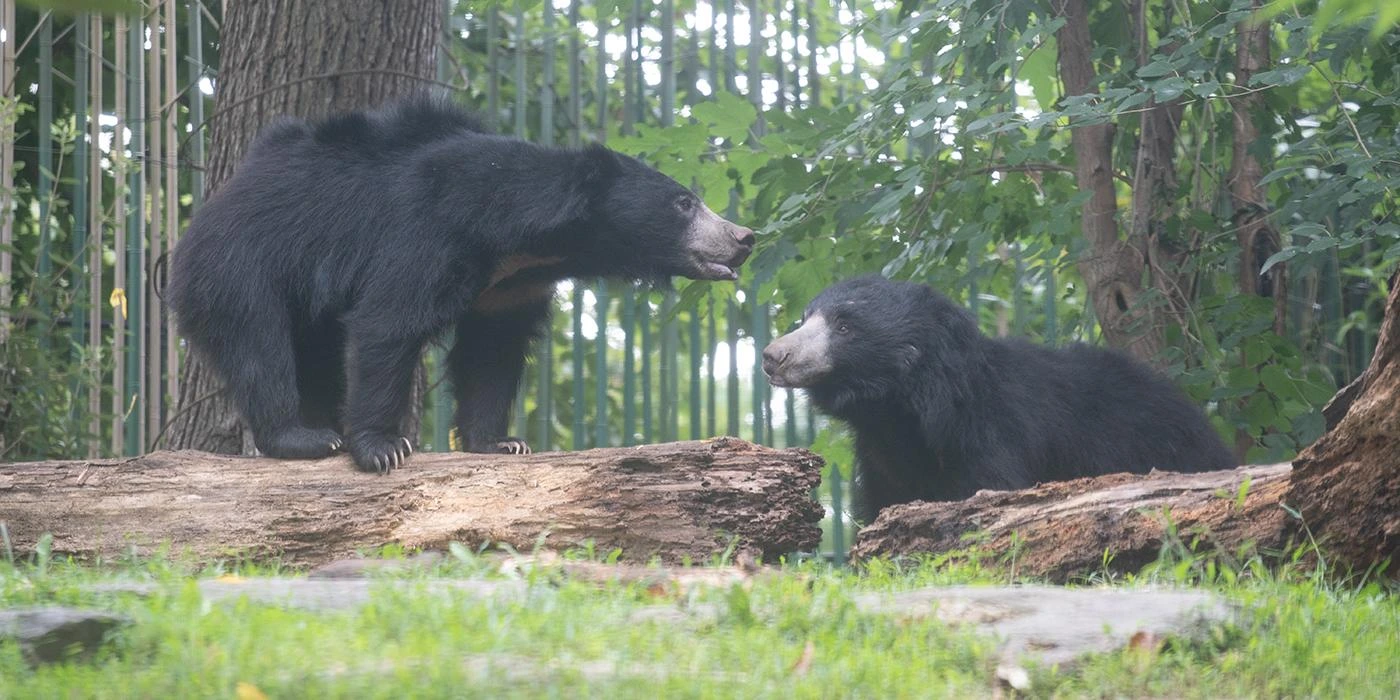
(302, 58)
(1257, 239)
(1347, 484)
(1116, 522)
(676, 501)
(1112, 268)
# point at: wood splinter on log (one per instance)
(675, 501)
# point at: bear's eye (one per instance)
(685, 203)
(843, 329)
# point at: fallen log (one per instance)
(1117, 522)
(676, 501)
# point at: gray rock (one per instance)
(1058, 625)
(51, 634)
(321, 594)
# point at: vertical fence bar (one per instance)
(438, 439)
(759, 384)
(135, 250)
(696, 388)
(521, 130)
(692, 57)
(577, 343)
(838, 518)
(7, 160)
(638, 99)
(757, 20)
(172, 197)
(78, 239)
(520, 50)
(629, 368)
(544, 402)
(194, 44)
(670, 355)
(731, 59)
(600, 368)
(716, 77)
(840, 51)
(668, 61)
(94, 250)
(644, 302)
(711, 381)
(120, 316)
(493, 63)
(600, 94)
(46, 179)
(575, 75)
(155, 229)
(1018, 285)
(814, 81)
(629, 61)
(779, 65)
(732, 396)
(789, 418)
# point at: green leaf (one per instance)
(1277, 382)
(729, 116)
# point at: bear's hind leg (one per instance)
(486, 363)
(259, 371)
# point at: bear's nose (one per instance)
(773, 358)
(744, 235)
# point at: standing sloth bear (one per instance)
(941, 411)
(313, 279)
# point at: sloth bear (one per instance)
(312, 280)
(940, 411)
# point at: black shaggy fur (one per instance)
(313, 279)
(940, 411)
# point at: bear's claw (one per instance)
(380, 452)
(513, 446)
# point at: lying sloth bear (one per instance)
(940, 411)
(312, 280)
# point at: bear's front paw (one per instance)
(302, 443)
(513, 446)
(375, 451)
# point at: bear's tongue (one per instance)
(716, 271)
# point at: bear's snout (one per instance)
(773, 359)
(744, 235)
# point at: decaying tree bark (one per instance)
(676, 501)
(1083, 526)
(1347, 484)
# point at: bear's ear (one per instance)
(598, 165)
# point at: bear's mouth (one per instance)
(715, 271)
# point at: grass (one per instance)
(793, 634)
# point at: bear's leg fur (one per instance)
(380, 369)
(486, 362)
(261, 376)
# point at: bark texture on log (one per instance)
(675, 501)
(1347, 484)
(1065, 528)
